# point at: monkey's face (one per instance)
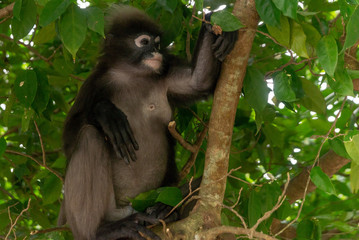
(148, 51)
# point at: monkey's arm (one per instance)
(113, 122)
(198, 80)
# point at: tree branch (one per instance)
(6, 12)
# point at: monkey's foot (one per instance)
(125, 229)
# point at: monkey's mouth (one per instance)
(155, 62)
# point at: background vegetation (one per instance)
(298, 110)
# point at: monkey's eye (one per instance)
(145, 41)
(142, 40)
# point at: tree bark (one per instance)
(207, 212)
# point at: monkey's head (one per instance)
(133, 38)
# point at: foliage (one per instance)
(302, 67)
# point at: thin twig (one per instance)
(179, 138)
(267, 214)
(188, 39)
(55, 229)
(17, 218)
(315, 162)
(41, 143)
(38, 162)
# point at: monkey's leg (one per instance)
(88, 184)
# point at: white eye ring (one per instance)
(142, 40)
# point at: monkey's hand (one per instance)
(116, 127)
(223, 43)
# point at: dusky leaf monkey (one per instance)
(115, 136)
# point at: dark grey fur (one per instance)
(98, 183)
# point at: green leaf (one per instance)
(95, 20)
(287, 7)
(352, 147)
(305, 229)
(16, 12)
(321, 180)
(338, 147)
(352, 30)
(199, 5)
(353, 73)
(46, 34)
(342, 83)
(226, 20)
(254, 212)
(25, 87)
(42, 94)
(313, 37)
(282, 87)
(255, 89)
(327, 52)
(26, 118)
(282, 33)
(172, 25)
(168, 5)
(354, 176)
(2, 146)
(144, 200)
(313, 99)
(169, 195)
(73, 28)
(274, 135)
(53, 10)
(268, 12)
(298, 39)
(51, 190)
(20, 28)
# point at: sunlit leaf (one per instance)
(169, 195)
(16, 12)
(20, 28)
(352, 30)
(52, 11)
(327, 51)
(313, 98)
(341, 83)
(95, 20)
(26, 118)
(25, 87)
(354, 176)
(282, 33)
(282, 87)
(73, 28)
(43, 92)
(46, 34)
(321, 180)
(352, 147)
(255, 89)
(51, 190)
(287, 7)
(226, 20)
(268, 12)
(298, 39)
(254, 212)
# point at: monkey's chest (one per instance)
(148, 113)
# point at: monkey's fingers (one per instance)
(126, 140)
(132, 137)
